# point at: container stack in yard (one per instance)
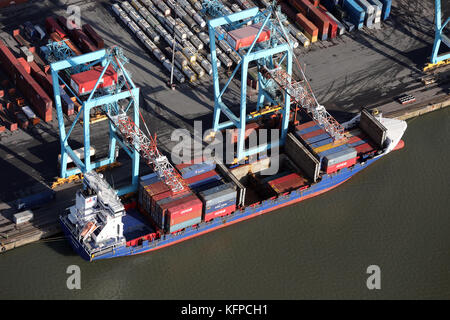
(39, 99)
(30, 72)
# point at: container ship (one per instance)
(99, 226)
(177, 203)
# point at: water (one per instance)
(394, 214)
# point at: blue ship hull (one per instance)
(327, 182)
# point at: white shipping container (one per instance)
(28, 112)
(22, 217)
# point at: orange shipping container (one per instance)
(310, 30)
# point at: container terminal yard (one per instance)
(367, 64)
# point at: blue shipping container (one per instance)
(35, 199)
(320, 137)
(321, 143)
(356, 14)
(197, 169)
(386, 9)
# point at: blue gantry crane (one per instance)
(439, 38)
(276, 86)
(269, 54)
(115, 102)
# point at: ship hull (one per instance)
(327, 183)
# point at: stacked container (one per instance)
(386, 8)
(378, 10)
(40, 101)
(334, 155)
(355, 14)
(177, 213)
(370, 12)
(218, 201)
(315, 15)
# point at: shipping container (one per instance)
(84, 82)
(355, 14)
(40, 101)
(215, 197)
(244, 36)
(219, 213)
(93, 35)
(41, 34)
(378, 11)
(364, 148)
(320, 137)
(305, 125)
(370, 12)
(341, 27)
(311, 134)
(299, 133)
(287, 183)
(83, 41)
(310, 30)
(345, 154)
(52, 26)
(333, 29)
(336, 167)
(196, 169)
(204, 178)
(22, 217)
(386, 8)
(35, 200)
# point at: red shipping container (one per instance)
(93, 35)
(307, 26)
(244, 37)
(68, 25)
(156, 188)
(82, 41)
(201, 177)
(292, 178)
(188, 164)
(187, 210)
(45, 80)
(305, 125)
(84, 82)
(312, 134)
(353, 139)
(191, 213)
(364, 148)
(332, 31)
(249, 128)
(220, 213)
(24, 64)
(302, 7)
(288, 11)
(287, 185)
(343, 164)
(40, 101)
(53, 27)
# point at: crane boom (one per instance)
(148, 149)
